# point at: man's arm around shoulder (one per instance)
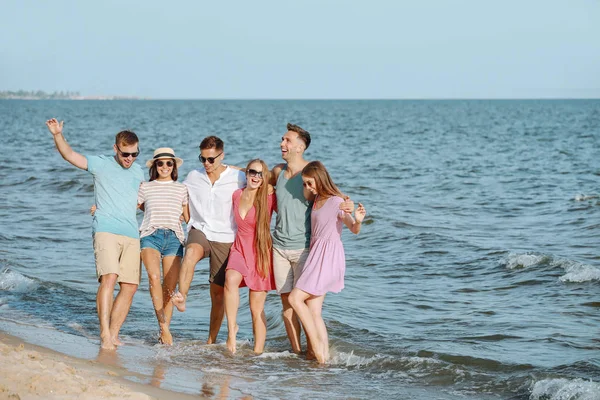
(275, 173)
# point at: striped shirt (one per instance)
(163, 204)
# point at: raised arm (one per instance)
(355, 223)
(63, 147)
(347, 206)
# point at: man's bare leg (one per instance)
(232, 303)
(104, 304)
(171, 268)
(217, 311)
(193, 253)
(292, 324)
(120, 309)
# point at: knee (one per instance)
(193, 254)
(108, 280)
(294, 302)
(256, 313)
(154, 279)
(231, 283)
(217, 298)
(131, 288)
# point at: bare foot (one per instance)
(231, 339)
(310, 355)
(116, 341)
(165, 336)
(320, 358)
(178, 301)
(106, 343)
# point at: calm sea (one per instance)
(476, 275)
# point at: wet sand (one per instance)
(28, 371)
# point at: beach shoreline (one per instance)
(30, 371)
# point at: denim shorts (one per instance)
(164, 241)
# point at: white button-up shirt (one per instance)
(211, 209)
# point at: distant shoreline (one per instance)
(108, 98)
(62, 95)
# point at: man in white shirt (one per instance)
(211, 229)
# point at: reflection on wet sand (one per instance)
(158, 375)
(109, 357)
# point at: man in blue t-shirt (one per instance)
(114, 229)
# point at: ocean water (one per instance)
(476, 275)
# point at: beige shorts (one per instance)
(117, 254)
(287, 266)
(218, 253)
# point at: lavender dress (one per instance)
(326, 263)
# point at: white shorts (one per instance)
(287, 267)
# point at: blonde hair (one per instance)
(263, 244)
(323, 183)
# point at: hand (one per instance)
(347, 206)
(93, 209)
(359, 214)
(54, 126)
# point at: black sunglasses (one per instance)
(254, 173)
(125, 155)
(209, 159)
(160, 163)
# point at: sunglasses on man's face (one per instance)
(161, 163)
(252, 173)
(209, 159)
(126, 155)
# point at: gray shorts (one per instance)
(287, 267)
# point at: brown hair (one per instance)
(126, 138)
(263, 244)
(302, 134)
(323, 183)
(211, 142)
(154, 170)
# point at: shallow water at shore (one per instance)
(475, 276)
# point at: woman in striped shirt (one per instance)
(164, 201)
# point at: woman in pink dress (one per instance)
(250, 256)
(326, 263)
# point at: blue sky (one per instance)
(303, 49)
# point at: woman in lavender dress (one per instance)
(326, 263)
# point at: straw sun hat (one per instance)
(164, 152)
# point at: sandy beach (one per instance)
(32, 372)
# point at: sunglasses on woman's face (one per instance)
(252, 173)
(209, 159)
(161, 163)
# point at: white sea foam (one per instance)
(577, 272)
(349, 359)
(14, 282)
(584, 197)
(565, 389)
(277, 355)
(514, 260)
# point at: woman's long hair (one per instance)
(323, 183)
(263, 244)
(154, 171)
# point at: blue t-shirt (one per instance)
(115, 195)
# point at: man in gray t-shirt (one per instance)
(291, 237)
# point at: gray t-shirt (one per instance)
(292, 225)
